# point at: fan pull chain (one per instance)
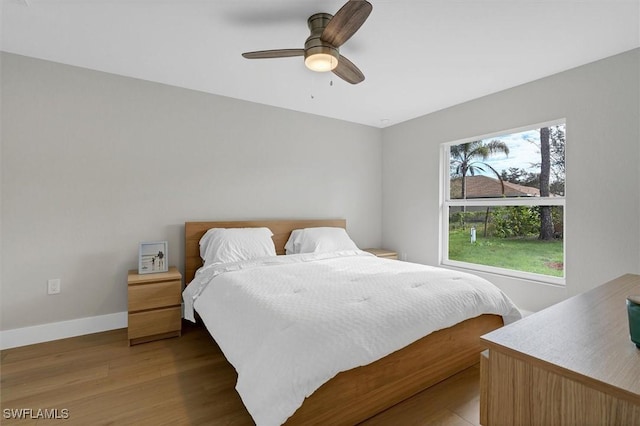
(313, 85)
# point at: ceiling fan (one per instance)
(322, 49)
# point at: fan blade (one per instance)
(269, 54)
(347, 71)
(346, 22)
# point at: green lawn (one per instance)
(522, 254)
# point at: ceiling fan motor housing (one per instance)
(315, 46)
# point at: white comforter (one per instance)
(290, 323)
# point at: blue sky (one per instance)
(521, 152)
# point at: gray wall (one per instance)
(601, 103)
(93, 164)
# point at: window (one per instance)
(503, 208)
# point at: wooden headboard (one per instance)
(281, 229)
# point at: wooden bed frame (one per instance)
(356, 395)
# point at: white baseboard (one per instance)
(61, 330)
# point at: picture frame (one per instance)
(152, 257)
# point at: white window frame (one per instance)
(446, 202)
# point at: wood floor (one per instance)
(99, 380)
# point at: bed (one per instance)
(358, 393)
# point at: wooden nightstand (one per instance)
(387, 254)
(155, 310)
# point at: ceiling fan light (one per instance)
(321, 62)
(319, 56)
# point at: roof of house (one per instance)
(481, 186)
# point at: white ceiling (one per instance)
(417, 56)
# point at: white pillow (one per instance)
(227, 245)
(317, 240)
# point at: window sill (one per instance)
(508, 273)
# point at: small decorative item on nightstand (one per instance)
(387, 254)
(155, 310)
(152, 257)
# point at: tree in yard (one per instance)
(521, 177)
(546, 221)
(556, 164)
(557, 142)
(469, 158)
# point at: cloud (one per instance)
(523, 152)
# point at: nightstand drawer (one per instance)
(154, 295)
(159, 321)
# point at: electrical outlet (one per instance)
(53, 286)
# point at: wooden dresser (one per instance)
(154, 302)
(570, 364)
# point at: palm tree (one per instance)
(469, 158)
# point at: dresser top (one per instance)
(585, 338)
